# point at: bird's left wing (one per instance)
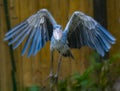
(37, 28)
(83, 30)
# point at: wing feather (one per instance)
(32, 45)
(27, 42)
(12, 31)
(37, 42)
(10, 35)
(40, 41)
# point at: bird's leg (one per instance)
(51, 71)
(58, 69)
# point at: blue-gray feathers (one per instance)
(37, 30)
(82, 30)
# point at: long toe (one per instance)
(55, 79)
(51, 75)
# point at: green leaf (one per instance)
(33, 88)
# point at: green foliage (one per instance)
(33, 88)
(95, 78)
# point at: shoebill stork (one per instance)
(81, 30)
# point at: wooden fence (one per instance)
(22, 71)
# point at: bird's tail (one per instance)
(68, 54)
(71, 55)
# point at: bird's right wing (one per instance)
(83, 30)
(37, 28)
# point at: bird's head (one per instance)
(57, 32)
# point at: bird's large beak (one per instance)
(57, 35)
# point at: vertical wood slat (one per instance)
(63, 19)
(5, 65)
(15, 19)
(33, 7)
(1, 5)
(100, 11)
(43, 56)
(9, 6)
(81, 54)
(100, 15)
(26, 62)
(113, 18)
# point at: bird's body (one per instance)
(81, 30)
(61, 46)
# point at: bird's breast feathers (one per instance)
(58, 45)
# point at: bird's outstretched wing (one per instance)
(83, 30)
(37, 28)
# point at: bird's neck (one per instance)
(57, 34)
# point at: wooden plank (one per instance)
(26, 62)
(113, 17)
(8, 24)
(63, 19)
(80, 55)
(74, 6)
(5, 65)
(1, 14)
(33, 8)
(15, 19)
(41, 61)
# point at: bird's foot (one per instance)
(50, 76)
(55, 78)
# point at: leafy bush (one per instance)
(33, 88)
(97, 77)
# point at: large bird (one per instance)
(81, 30)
